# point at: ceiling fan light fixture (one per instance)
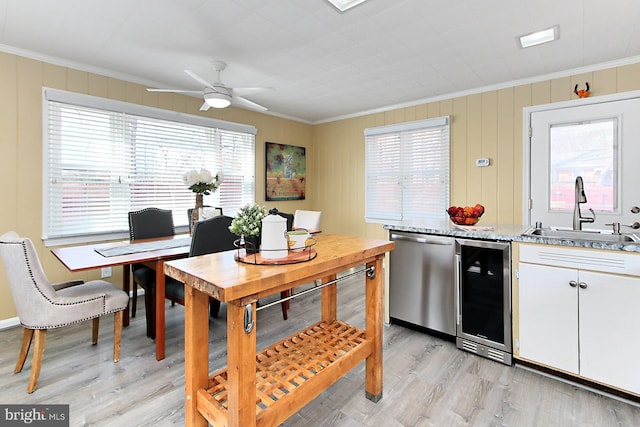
(343, 5)
(217, 99)
(539, 37)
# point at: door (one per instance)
(548, 310)
(596, 141)
(609, 324)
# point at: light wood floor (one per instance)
(427, 381)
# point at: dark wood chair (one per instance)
(210, 236)
(150, 223)
(289, 218)
(218, 211)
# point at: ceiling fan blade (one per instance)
(199, 79)
(250, 90)
(195, 92)
(205, 107)
(239, 101)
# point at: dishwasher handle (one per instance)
(457, 276)
(422, 239)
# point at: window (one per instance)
(407, 171)
(588, 149)
(104, 158)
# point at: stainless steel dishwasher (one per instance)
(422, 281)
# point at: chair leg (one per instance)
(214, 307)
(27, 337)
(150, 308)
(94, 332)
(117, 334)
(134, 299)
(38, 352)
(285, 304)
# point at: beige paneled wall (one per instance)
(482, 125)
(21, 85)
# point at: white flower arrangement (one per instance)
(201, 181)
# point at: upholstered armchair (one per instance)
(42, 305)
(309, 220)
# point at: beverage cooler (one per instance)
(483, 299)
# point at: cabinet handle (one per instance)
(582, 285)
(573, 283)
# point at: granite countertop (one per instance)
(503, 232)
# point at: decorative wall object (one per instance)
(582, 93)
(285, 172)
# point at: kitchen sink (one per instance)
(584, 235)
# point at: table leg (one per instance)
(329, 300)
(241, 358)
(160, 293)
(126, 286)
(196, 352)
(373, 333)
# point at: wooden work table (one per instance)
(266, 388)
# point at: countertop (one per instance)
(500, 232)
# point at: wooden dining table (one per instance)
(151, 252)
(265, 388)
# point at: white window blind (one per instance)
(104, 158)
(407, 171)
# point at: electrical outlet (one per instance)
(105, 272)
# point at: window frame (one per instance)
(223, 132)
(407, 171)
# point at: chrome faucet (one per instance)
(578, 219)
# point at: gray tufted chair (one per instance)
(42, 305)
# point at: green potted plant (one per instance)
(247, 224)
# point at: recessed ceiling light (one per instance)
(343, 5)
(539, 37)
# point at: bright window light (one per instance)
(343, 5)
(539, 37)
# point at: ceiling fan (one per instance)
(216, 94)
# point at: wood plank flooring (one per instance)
(427, 381)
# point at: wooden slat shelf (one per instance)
(292, 372)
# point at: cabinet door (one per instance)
(548, 310)
(609, 325)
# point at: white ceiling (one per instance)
(322, 64)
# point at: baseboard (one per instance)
(12, 322)
(585, 384)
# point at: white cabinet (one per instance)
(577, 319)
(548, 309)
(609, 325)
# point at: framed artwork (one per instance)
(286, 172)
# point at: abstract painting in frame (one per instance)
(286, 172)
